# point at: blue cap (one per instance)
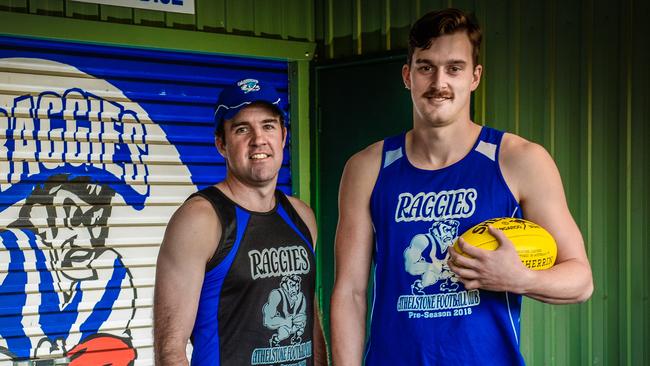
(237, 96)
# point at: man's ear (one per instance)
(221, 145)
(406, 76)
(476, 76)
(284, 135)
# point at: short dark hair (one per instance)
(274, 109)
(443, 22)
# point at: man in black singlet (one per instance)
(236, 271)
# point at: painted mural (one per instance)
(72, 158)
(88, 181)
(98, 147)
(68, 261)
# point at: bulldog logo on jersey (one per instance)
(285, 312)
(436, 291)
(427, 254)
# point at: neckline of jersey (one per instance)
(439, 170)
(259, 213)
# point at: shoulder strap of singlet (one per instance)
(392, 150)
(227, 217)
(283, 202)
(489, 142)
(492, 135)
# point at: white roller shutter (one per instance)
(98, 147)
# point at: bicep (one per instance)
(354, 233)
(189, 242)
(543, 201)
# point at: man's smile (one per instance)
(259, 156)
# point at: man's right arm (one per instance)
(190, 241)
(354, 238)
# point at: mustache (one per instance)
(436, 93)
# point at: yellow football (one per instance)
(535, 246)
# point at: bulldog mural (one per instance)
(76, 173)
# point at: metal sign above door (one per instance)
(173, 6)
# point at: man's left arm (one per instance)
(318, 339)
(535, 181)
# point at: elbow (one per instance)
(588, 288)
(583, 292)
(586, 293)
(168, 353)
(343, 298)
(585, 286)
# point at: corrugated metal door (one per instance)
(98, 146)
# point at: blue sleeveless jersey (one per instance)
(421, 312)
(256, 305)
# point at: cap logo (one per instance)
(249, 85)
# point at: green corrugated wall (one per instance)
(283, 19)
(572, 76)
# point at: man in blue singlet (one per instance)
(236, 271)
(404, 200)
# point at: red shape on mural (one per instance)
(102, 349)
